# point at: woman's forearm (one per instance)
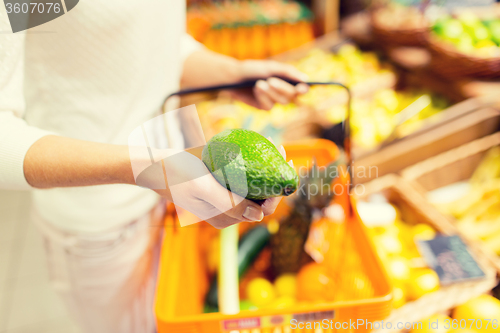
(55, 161)
(205, 68)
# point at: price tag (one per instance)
(451, 259)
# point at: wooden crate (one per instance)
(414, 208)
(450, 167)
(458, 125)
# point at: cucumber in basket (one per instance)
(249, 247)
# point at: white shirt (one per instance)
(95, 74)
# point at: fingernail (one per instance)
(290, 163)
(253, 214)
(302, 88)
(262, 85)
(274, 82)
(282, 151)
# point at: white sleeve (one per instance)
(16, 136)
(188, 46)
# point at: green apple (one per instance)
(468, 19)
(465, 43)
(452, 29)
(495, 31)
(480, 32)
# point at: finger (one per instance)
(282, 151)
(269, 205)
(284, 89)
(232, 205)
(247, 210)
(302, 88)
(271, 139)
(287, 71)
(247, 98)
(261, 92)
(272, 94)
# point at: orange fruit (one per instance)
(422, 281)
(313, 283)
(481, 309)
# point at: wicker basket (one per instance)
(449, 63)
(391, 37)
(414, 207)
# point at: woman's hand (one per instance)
(272, 90)
(206, 68)
(181, 177)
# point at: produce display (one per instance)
(470, 34)
(475, 203)
(395, 240)
(480, 314)
(396, 17)
(306, 261)
(376, 116)
(250, 29)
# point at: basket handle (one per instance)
(251, 83)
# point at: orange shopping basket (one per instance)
(183, 280)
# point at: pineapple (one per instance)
(287, 244)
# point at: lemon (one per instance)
(391, 244)
(433, 324)
(423, 231)
(398, 269)
(286, 285)
(260, 292)
(481, 309)
(398, 297)
(282, 302)
(421, 282)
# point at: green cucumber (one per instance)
(249, 247)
